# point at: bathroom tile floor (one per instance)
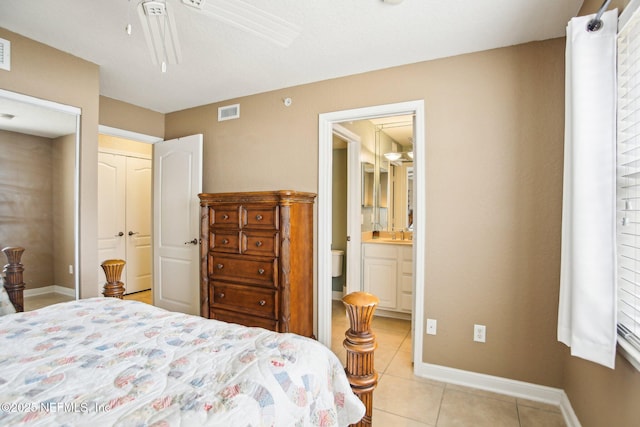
(403, 399)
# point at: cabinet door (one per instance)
(380, 279)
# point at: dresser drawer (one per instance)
(261, 216)
(249, 299)
(225, 241)
(225, 216)
(243, 269)
(242, 319)
(263, 243)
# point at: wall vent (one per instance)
(5, 55)
(229, 112)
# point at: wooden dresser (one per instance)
(256, 255)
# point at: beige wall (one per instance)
(26, 203)
(339, 208)
(494, 132)
(121, 115)
(43, 72)
(122, 145)
(64, 160)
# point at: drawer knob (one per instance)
(259, 217)
(219, 266)
(225, 216)
(259, 243)
(221, 295)
(261, 271)
(262, 302)
(225, 241)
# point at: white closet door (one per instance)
(111, 210)
(138, 220)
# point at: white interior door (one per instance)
(138, 223)
(177, 180)
(111, 210)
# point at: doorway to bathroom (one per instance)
(327, 124)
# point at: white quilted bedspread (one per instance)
(107, 362)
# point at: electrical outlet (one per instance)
(479, 333)
(432, 325)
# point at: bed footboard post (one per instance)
(113, 271)
(360, 343)
(14, 283)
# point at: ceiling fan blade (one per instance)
(160, 32)
(249, 18)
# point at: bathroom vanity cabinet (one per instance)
(388, 274)
(257, 259)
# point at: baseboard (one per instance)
(337, 295)
(392, 314)
(570, 417)
(53, 289)
(524, 390)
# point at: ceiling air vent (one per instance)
(5, 55)
(229, 112)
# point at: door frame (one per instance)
(77, 113)
(326, 123)
(132, 136)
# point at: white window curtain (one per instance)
(587, 310)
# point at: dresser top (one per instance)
(281, 196)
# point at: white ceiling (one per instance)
(25, 117)
(328, 39)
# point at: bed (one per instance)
(108, 361)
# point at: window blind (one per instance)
(628, 181)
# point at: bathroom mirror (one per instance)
(385, 197)
(38, 190)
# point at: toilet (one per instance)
(336, 262)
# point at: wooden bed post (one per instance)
(113, 271)
(14, 283)
(360, 343)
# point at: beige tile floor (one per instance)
(402, 399)
(144, 296)
(38, 301)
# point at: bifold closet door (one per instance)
(138, 223)
(111, 210)
(124, 217)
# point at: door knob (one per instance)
(120, 234)
(192, 242)
(131, 233)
